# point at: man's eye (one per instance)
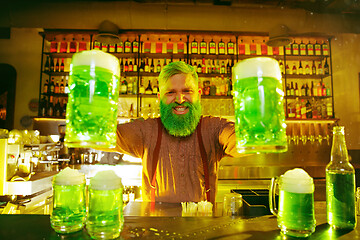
(169, 93)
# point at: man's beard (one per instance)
(180, 125)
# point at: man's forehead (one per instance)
(181, 80)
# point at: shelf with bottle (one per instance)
(305, 68)
(308, 47)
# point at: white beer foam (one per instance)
(257, 67)
(97, 58)
(297, 181)
(69, 176)
(105, 180)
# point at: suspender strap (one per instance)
(204, 162)
(155, 160)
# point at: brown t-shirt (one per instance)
(179, 173)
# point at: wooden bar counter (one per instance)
(165, 222)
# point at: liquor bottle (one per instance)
(62, 65)
(165, 62)
(320, 70)
(141, 87)
(301, 70)
(124, 86)
(147, 46)
(297, 108)
(97, 45)
(104, 47)
(57, 66)
(198, 67)
(276, 51)
(135, 66)
(63, 112)
(43, 107)
(317, 48)
(147, 67)
(287, 69)
(222, 68)
(203, 66)
(209, 69)
(221, 47)
(313, 68)
(82, 45)
(203, 47)
(288, 93)
(295, 48)
(212, 47)
(296, 90)
(135, 46)
(312, 89)
(126, 66)
(180, 46)
(288, 49)
(122, 66)
(152, 66)
(302, 48)
(73, 46)
(307, 69)
(229, 86)
(308, 110)
(253, 48)
(112, 48)
(241, 48)
(319, 89)
(127, 46)
(303, 90)
(46, 86)
(155, 87)
(142, 66)
(120, 47)
(291, 110)
(57, 87)
(326, 67)
(158, 66)
(228, 68)
(159, 46)
(131, 66)
(217, 66)
(47, 64)
(63, 46)
(135, 87)
(329, 109)
(230, 48)
(54, 46)
(264, 48)
(340, 184)
(169, 46)
(149, 89)
(303, 109)
(294, 69)
(310, 49)
(292, 90)
(323, 90)
(62, 86)
(194, 47)
(307, 90)
(66, 88)
(130, 85)
(57, 109)
(213, 67)
(50, 109)
(325, 48)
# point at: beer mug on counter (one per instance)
(296, 216)
(91, 113)
(259, 109)
(69, 203)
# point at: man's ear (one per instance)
(158, 94)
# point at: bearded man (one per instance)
(181, 150)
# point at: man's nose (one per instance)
(180, 98)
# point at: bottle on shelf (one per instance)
(124, 86)
(303, 90)
(155, 87)
(312, 90)
(43, 107)
(198, 67)
(203, 66)
(291, 109)
(221, 47)
(52, 86)
(325, 48)
(122, 65)
(126, 66)
(130, 86)
(120, 47)
(287, 69)
(147, 67)
(313, 68)
(47, 64)
(317, 48)
(158, 66)
(300, 70)
(292, 90)
(294, 69)
(62, 65)
(62, 86)
(308, 110)
(66, 88)
(57, 109)
(310, 49)
(288, 49)
(264, 48)
(63, 46)
(46, 86)
(326, 67)
(50, 107)
(104, 47)
(194, 47)
(63, 112)
(297, 108)
(142, 66)
(52, 65)
(82, 45)
(152, 66)
(302, 48)
(228, 67)
(241, 47)
(212, 47)
(57, 87)
(112, 47)
(159, 46)
(147, 46)
(135, 66)
(296, 90)
(320, 70)
(307, 69)
(288, 93)
(340, 185)
(203, 47)
(303, 109)
(230, 48)
(130, 66)
(169, 46)
(97, 45)
(73, 46)
(222, 67)
(180, 46)
(295, 48)
(149, 89)
(127, 46)
(252, 48)
(135, 46)
(57, 66)
(54, 46)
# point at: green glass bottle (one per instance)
(340, 185)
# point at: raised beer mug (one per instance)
(296, 215)
(259, 109)
(91, 113)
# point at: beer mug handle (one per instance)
(272, 191)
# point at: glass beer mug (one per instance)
(296, 215)
(91, 113)
(259, 108)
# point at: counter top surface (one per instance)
(165, 222)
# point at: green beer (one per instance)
(69, 204)
(296, 215)
(259, 110)
(105, 217)
(340, 194)
(91, 113)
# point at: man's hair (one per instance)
(174, 68)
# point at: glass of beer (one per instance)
(69, 203)
(105, 217)
(296, 215)
(259, 110)
(91, 113)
